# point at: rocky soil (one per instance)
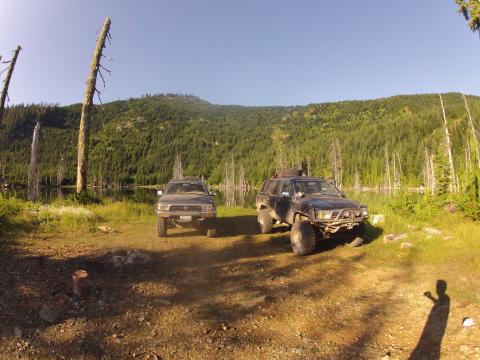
(238, 296)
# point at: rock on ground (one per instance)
(391, 237)
(377, 219)
(432, 231)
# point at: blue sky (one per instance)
(249, 52)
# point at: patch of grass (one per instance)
(63, 217)
(10, 211)
(224, 211)
(457, 245)
(123, 211)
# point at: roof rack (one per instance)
(288, 173)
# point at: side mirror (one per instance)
(159, 192)
(212, 193)
(285, 194)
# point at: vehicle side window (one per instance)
(286, 187)
(265, 186)
(274, 188)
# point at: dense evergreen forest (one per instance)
(135, 141)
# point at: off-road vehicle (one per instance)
(314, 207)
(186, 203)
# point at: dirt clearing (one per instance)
(238, 296)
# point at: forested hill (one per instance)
(135, 141)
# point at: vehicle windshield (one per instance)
(185, 188)
(315, 187)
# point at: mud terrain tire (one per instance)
(265, 221)
(161, 226)
(302, 238)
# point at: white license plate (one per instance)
(185, 217)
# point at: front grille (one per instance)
(347, 214)
(185, 208)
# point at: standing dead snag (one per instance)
(61, 170)
(448, 148)
(388, 178)
(230, 183)
(309, 165)
(90, 89)
(336, 163)
(397, 172)
(474, 132)
(6, 82)
(33, 175)
(357, 185)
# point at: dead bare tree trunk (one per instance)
(242, 183)
(33, 176)
(426, 170)
(230, 183)
(448, 145)
(6, 82)
(61, 170)
(468, 159)
(336, 162)
(474, 132)
(388, 178)
(433, 177)
(178, 168)
(309, 166)
(400, 171)
(90, 89)
(357, 185)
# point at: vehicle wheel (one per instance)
(302, 237)
(161, 226)
(265, 221)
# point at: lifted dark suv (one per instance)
(186, 203)
(313, 206)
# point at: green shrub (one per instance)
(469, 200)
(422, 206)
(82, 199)
(9, 209)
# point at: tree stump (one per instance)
(80, 282)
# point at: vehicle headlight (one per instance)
(364, 211)
(208, 207)
(163, 207)
(323, 214)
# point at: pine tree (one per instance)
(471, 10)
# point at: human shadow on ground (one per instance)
(429, 345)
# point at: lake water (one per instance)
(136, 194)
